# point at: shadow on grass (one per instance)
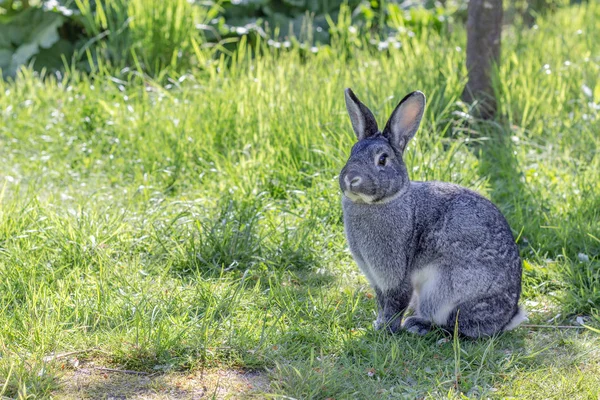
(509, 191)
(378, 365)
(556, 242)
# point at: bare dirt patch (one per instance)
(89, 382)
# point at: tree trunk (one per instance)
(484, 27)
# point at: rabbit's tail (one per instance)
(519, 317)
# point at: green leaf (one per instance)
(24, 35)
(591, 328)
(5, 57)
(51, 58)
(46, 34)
(23, 53)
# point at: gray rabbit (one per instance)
(440, 249)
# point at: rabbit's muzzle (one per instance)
(351, 181)
(356, 186)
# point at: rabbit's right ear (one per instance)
(405, 120)
(362, 118)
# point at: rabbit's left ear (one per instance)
(363, 121)
(405, 120)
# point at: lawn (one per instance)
(192, 229)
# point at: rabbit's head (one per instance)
(375, 171)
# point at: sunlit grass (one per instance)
(198, 224)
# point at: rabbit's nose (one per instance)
(353, 180)
(356, 181)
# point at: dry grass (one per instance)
(87, 381)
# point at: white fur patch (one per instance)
(441, 315)
(425, 283)
(363, 198)
(359, 197)
(424, 279)
(519, 318)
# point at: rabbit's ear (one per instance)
(362, 118)
(405, 120)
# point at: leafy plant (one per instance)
(286, 15)
(159, 38)
(31, 35)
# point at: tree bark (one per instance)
(484, 28)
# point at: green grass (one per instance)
(198, 224)
(150, 37)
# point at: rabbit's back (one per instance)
(469, 238)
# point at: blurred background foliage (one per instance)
(177, 35)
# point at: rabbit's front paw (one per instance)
(417, 325)
(378, 323)
(392, 325)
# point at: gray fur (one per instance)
(445, 250)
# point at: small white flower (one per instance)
(583, 257)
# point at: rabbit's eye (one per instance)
(382, 159)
